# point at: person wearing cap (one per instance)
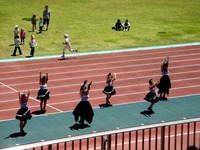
(23, 114)
(17, 46)
(67, 45)
(16, 32)
(164, 83)
(32, 45)
(84, 109)
(109, 90)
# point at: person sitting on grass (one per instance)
(118, 26)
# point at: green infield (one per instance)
(89, 23)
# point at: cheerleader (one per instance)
(151, 96)
(43, 93)
(165, 83)
(84, 109)
(23, 114)
(109, 90)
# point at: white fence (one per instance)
(176, 135)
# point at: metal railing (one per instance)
(175, 135)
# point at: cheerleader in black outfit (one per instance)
(165, 83)
(84, 109)
(151, 96)
(109, 90)
(43, 93)
(23, 114)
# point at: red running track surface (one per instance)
(133, 70)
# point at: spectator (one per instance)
(118, 26)
(17, 46)
(32, 45)
(126, 25)
(46, 16)
(33, 21)
(22, 35)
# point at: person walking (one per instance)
(17, 46)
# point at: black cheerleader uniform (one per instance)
(109, 89)
(151, 96)
(23, 113)
(165, 83)
(43, 93)
(83, 110)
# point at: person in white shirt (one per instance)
(17, 46)
(67, 45)
(32, 45)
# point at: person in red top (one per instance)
(22, 35)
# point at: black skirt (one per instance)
(109, 90)
(83, 110)
(151, 97)
(43, 94)
(164, 85)
(23, 114)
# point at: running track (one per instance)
(133, 69)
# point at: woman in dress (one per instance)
(109, 90)
(23, 114)
(151, 96)
(43, 93)
(165, 83)
(84, 109)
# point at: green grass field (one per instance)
(89, 22)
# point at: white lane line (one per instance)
(30, 97)
(108, 68)
(102, 63)
(132, 53)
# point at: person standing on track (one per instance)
(23, 114)
(43, 93)
(109, 90)
(151, 96)
(67, 45)
(84, 109)
(165, 83)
